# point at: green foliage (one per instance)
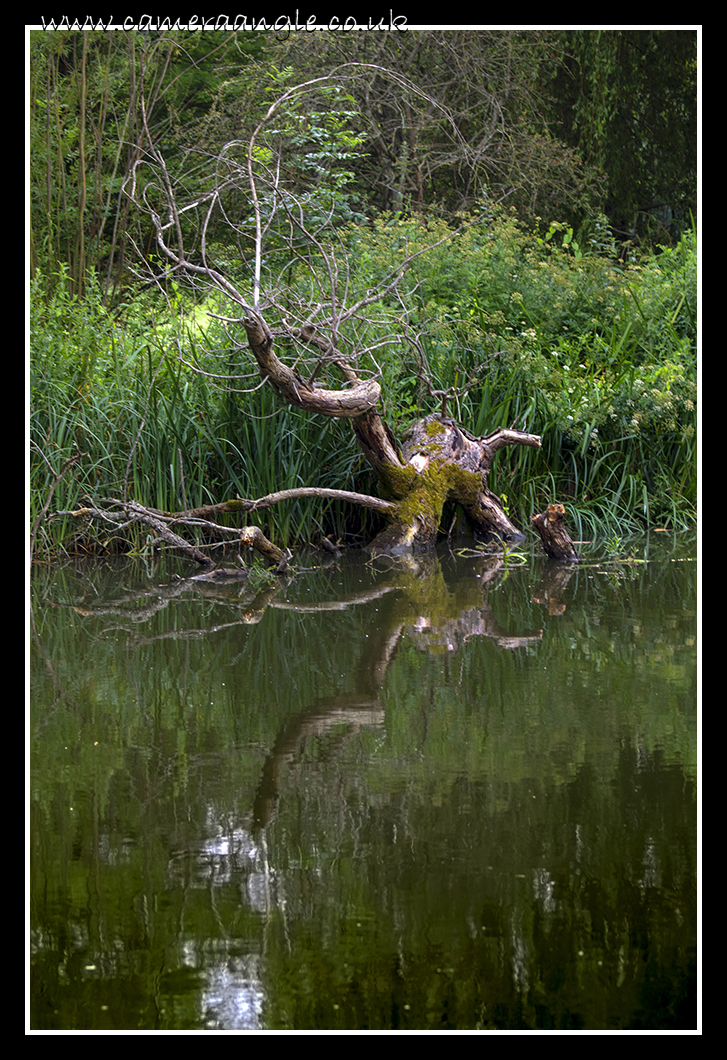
(86, 130)
(625, 115)
(597, 357)
(318, 142)
(627, 101)
(151, 429)
(539, 326)
(664, 295)
(304, 181)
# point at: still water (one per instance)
(450, 794)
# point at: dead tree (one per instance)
(327, 367)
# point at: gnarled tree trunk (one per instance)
(438, 461)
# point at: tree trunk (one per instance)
(438, 461)
(355, 401)
(443, 463)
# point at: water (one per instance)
(446, 795)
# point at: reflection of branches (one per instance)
(449, 635)
(351, 600)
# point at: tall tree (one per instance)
(627, 101)
(494, 143)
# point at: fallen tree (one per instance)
(327, 366)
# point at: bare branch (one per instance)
(302, 295)
(264, 175)
(364, 500)
(351, 403)
(132, 512)
(504, 436)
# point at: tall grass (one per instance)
(595, 355)
(621, 460)
(152, 430)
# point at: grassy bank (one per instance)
(526, 329)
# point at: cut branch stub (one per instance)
(252, 537)
(556, 540)
(345, 404)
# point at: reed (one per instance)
(150, 430)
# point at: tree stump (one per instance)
(556, 540)
(441, 462)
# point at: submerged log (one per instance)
(123, 514)
(556, 540)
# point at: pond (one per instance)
(451, 793)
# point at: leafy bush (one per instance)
(595, 355)
(663, 296)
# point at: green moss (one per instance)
(396, 482)
(434, 429)
(464, 485)
(422, 497)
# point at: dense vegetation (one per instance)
(543, 310)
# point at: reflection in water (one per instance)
(543, 890)
(441, 794)
(233, 997)
(553, 583)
